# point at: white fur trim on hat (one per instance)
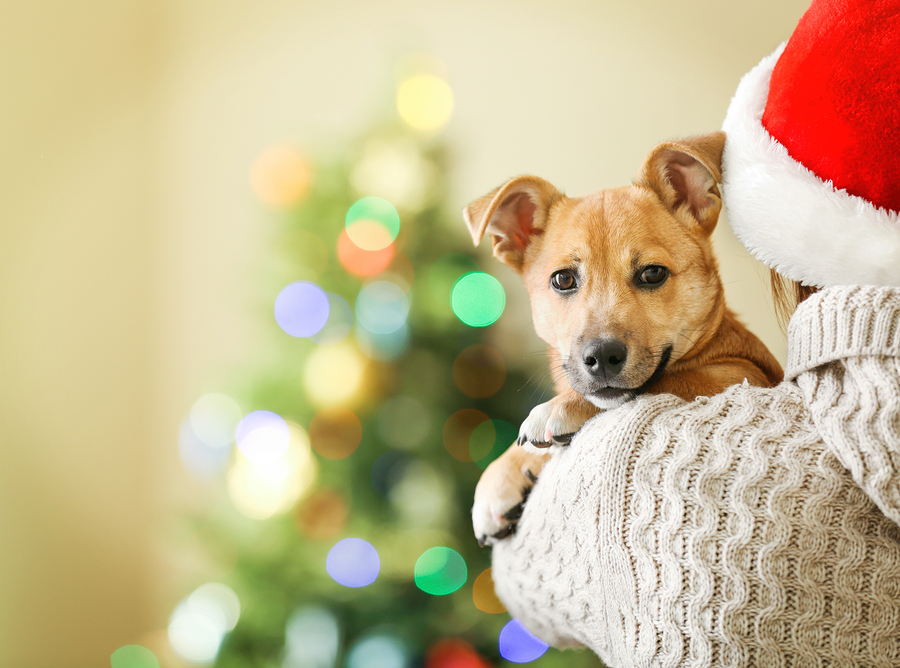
(790, 219)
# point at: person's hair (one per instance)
(787, 295)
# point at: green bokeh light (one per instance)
(378, 210)
(134, 656)
(440, 571)
(478, 299)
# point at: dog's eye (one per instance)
(563, 281)
(653, 275)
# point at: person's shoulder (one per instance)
(740, 404)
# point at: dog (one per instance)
(625, 289)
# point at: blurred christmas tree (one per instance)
(351, 464)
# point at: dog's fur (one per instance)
(626, 291)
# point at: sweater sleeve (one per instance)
(844, 351)
(735, 530)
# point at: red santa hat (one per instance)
(811, 169)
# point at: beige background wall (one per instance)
(129, 238)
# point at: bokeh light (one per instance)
(440, 571)
(206, 435)
(491, 439)
(199, 623)
(484, 596)
(479, 371)
(333, 375)
(280, 176)
(134, 656)
(458, 430)
(214, 418)
(383, 347)
(388, 470)
(335, 432)
(338, 324)
(382, 307)
(353, 562)
(263, 436)
(403, 422)
(378, 651)
(478, 299)
(454, 653)
(361, 262)
(396, 170)
(421, 496)
(322, 514)
(266, 485)
(519, 645)
(372, 223)
(425, 102)
(301, 309)
(312, 639)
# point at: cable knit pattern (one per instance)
(755, 528)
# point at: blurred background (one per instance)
(246, 393)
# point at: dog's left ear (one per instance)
(512, 215)
(685, 175)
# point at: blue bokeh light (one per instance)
(301, 309)
(353, 562)
(519, 645)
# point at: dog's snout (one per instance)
(604, 358)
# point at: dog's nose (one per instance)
(604, 358)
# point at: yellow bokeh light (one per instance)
(260, 489)
(334, 375)
(425, 102)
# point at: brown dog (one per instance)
(626, 291)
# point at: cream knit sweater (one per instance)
(755, 528)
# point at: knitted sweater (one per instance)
(755, 528)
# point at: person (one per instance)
(760, 526)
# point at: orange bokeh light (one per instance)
(360, 262)
(458, 432)
(335, 432)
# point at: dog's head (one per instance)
(622, 282)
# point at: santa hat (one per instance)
(811, 169)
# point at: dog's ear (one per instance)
(685, 175)
(511, 214)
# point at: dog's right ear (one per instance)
(512, 214)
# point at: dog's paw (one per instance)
(554, 422)
(499, 500)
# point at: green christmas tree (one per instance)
(363, 429)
